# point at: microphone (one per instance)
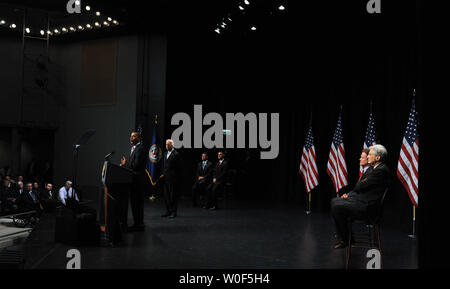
(108, 155)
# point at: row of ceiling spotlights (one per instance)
(241, 7)
(64, 29)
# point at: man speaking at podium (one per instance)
(136, 163)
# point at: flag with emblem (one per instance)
(153, 167)
(336, 166)
(408, 162)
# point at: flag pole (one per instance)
(309, 203)
(413, 235)
(413, 224)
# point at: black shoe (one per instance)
(165, 215)
(174, 215)
(213, 208)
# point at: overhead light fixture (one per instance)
(229, 19)
(109, 19)
(106, 23)
(27, 30)
(80, 27)
(64, 29)
(2, 22)
(223, 25)
(281, 7)
(217, 30)
(12, 26)
(72, 29)
(97, 24)
(88, 8)
(115, 22)
(253, 28)
(88, 26)
(77, 2)
(246, 2)
(241, 8)
(49, 32)
(56, 31)
(42, 32)
(97, 13)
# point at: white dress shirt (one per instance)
(64, 194)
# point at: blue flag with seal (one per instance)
(153, 168)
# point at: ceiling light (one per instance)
(109, 19)
(97, 24)
(56, 31)
(2, 22)
(77, 3)
(42, 32)
(88, 26)
(246, 2)
(217, 30)
(106, 23)
(80, 27)
(241, 8)
(115, 22)
(97, 13)
(13, 26)
(88, 8)
(72, 29)
(49, 32)
(64, 29)
(253, 28)
(281, 7)
(27, 30)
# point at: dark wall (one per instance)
(316, 59)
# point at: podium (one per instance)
(114, 203)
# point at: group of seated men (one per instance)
(17, 196)
(210, 180)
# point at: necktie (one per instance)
(203, 166)
(33, 195)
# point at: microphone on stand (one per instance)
(108, 155)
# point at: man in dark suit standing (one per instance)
(218, 182)
(136, 163)
(365, 196)
(172, 175)
(202, 178)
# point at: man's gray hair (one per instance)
(170, 140)
(379, 151)
(68, 182)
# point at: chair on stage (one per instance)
(369, 238)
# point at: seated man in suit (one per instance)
(218, 182)
(29, 200)
(48, 197)
(365, 196)
(202, 178)
(8, 197)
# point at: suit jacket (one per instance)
(220, 172)
(372, 185)
(136, 162)
(172, 167)
(206, 172)
(26, 201)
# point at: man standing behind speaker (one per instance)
(172, 175)
(218, 182)
(136, 163)
(203, 176)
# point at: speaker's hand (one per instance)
(122, 161)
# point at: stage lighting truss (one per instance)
(101, 21)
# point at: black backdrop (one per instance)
(313, 59)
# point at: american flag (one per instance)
(308, 168)
(336, 167)
(408, 162)
(370, 137)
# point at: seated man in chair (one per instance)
(365, 196)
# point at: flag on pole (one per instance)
(336, 167)
(153, 167)
(369, 140)
(408, 162)
(308, 167)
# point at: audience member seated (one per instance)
(8, 197)
(365, 196)
(69, 198)
(49, 198)
(29, 200)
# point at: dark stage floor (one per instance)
(245, 235)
